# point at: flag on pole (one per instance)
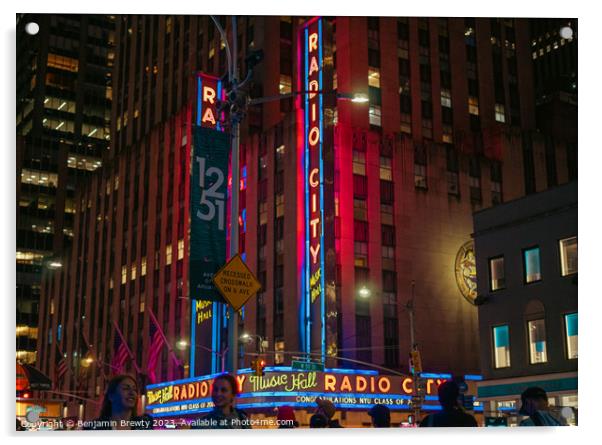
(156, 344)
(120, 353)
(60, 366)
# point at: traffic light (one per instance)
(24, 394)
(258, 366)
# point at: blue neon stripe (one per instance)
(219, 95)
(199, 108)
(192, 338)
(473, 377)
(214, 335)
(322, 262)
(432, 375)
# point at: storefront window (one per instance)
(537, 341)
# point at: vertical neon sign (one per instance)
(313, 125)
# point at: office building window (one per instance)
(496, 273)
(532, 266)
(501, 346)
(374, 77)
(568, 256)
(420, 167)
(285, 85)
(473, 105)
(374, 114)
(360, 210)
(361, 253)
(570, 321)
(386, 173)
(537, 341)
(446, 98)
(500, 114)
(359, 162)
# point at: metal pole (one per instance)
(413, 347)
(234, 161)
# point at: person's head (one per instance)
(318, 421)
(286, 417)
(448, 394)
(325, 407)
(121, 395)
(381, 416)
(224, 390)
(533, 399)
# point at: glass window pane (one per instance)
(532, 265)
(537, 341)
(570, 321)
(496, 272)
(568, 256)
(501, 346)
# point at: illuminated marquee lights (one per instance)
(313, 127)
(346, 388)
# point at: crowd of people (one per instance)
(119, 409)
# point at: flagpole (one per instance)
(173, 355)
(125, 343)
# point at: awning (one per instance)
(31, 378)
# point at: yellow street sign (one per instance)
(236, 282)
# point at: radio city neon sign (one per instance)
(314, 180)
(209, 92)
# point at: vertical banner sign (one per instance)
(209, 170)
(312, 127)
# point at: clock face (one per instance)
(466, 271)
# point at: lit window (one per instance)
(532, 265)
(446, 98)
(420, 176)
(501, 346)
(496, 272)
(168, 255)
(361, 254)
(570, 321)
(180, 249)
(537, 341)
(447, 135)
(386, 172)
(568, 256)
(133, 274)
(63, 63)
(374, 114)
(359, 162)
(374, 77)
(38, 177)
(285, 85)
(143, 267)
(279, 205)
(473, 105)
(29, 258)
(500, 114)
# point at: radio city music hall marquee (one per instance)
(347, 389)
